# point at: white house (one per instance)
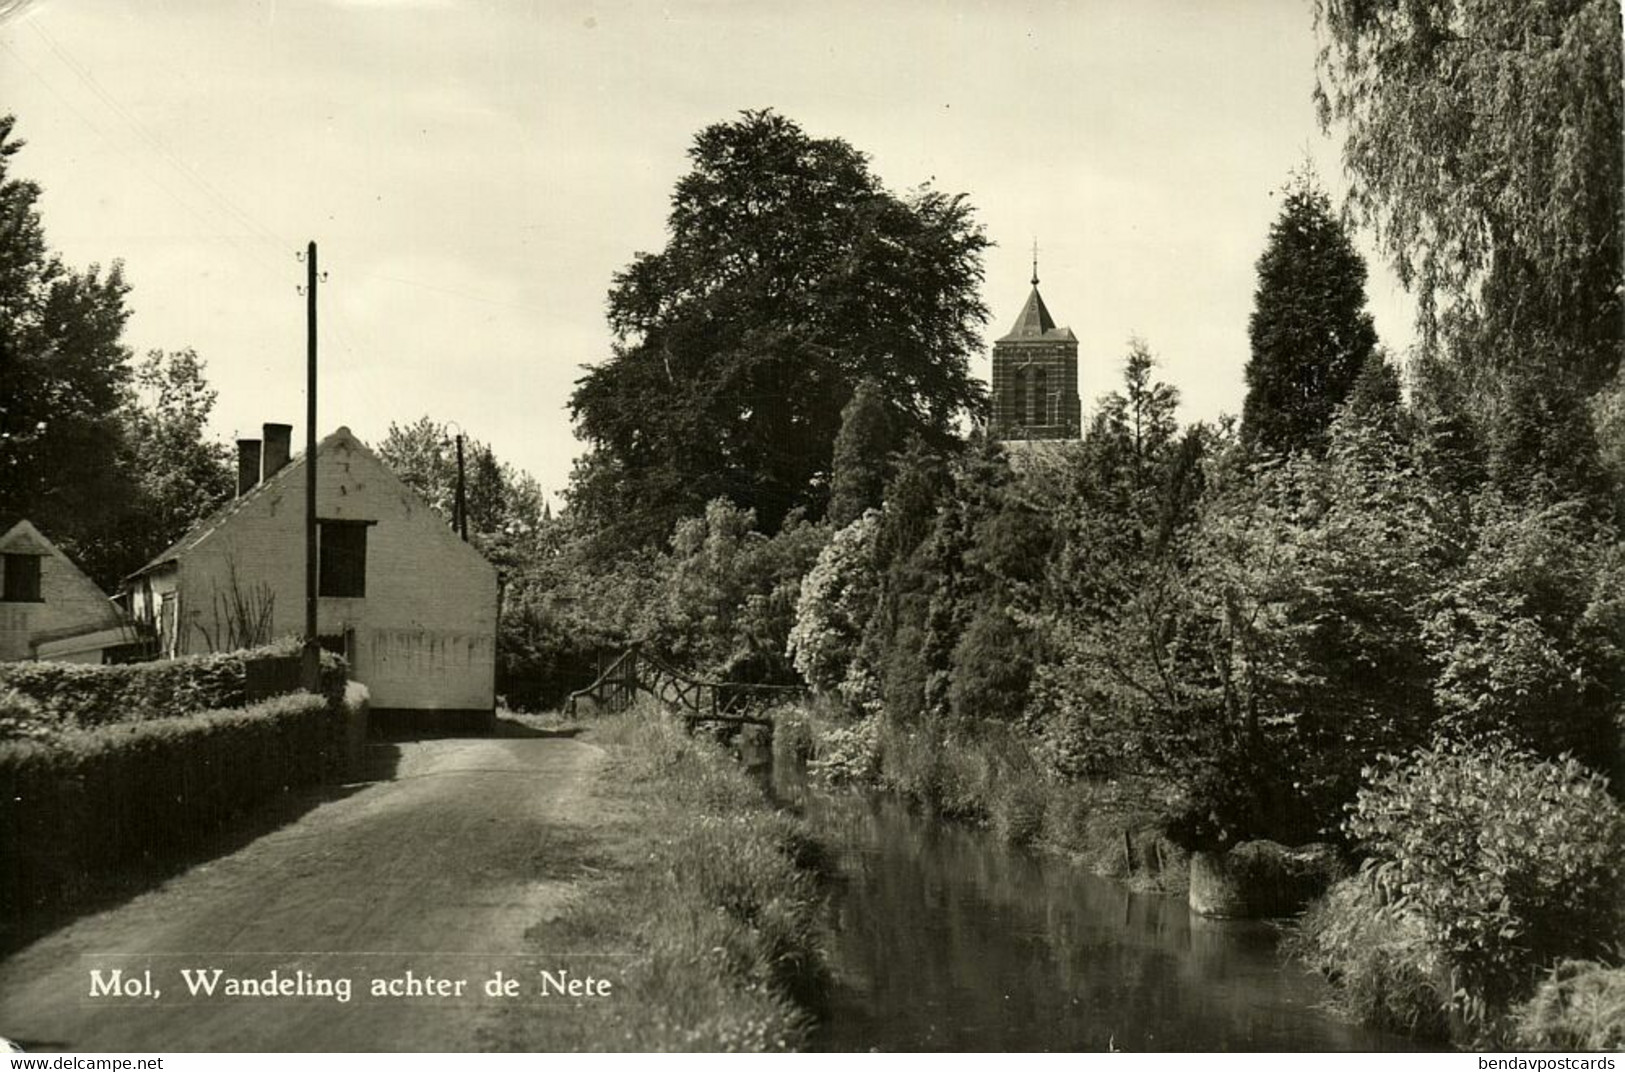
(50, 610)
(411, 606)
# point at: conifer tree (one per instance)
(861, 457)
(1310, 331)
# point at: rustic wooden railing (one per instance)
(694, 699)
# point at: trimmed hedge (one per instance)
(74, 695)
(91, 800)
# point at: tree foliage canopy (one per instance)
(109, 458)
(1483, 142)
(789, 275)
(64, 378)
(180, 474)
(499, 498)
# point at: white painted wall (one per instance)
(71, 601)
(425, 631)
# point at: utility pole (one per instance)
(312, 654)
(460, 509)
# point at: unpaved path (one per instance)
(439, 871)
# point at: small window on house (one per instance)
(22, 580)
(342, 559)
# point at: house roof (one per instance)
(209, 525)
(23, 538)
(1035, 321)
(206, 529)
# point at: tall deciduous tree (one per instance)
(1483, 139)
(64, 381)
(789, 275)
(499, 498)
(180, 474)
(1310, 331)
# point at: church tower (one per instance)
(1035, 376)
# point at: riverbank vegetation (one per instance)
(1486, 869)
(1390, 569)
(714, 892)
(992, 779)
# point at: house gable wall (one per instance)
(424, 635)
(70, 601)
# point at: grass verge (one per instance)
(713, 893)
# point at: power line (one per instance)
(221, 201)
(465, 295)
(134, 161)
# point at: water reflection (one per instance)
(949, 940)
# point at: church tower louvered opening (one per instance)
(1035, 376)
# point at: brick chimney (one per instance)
(248, 465)
(278, 445)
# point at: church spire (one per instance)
(1035, 375)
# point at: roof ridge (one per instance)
(214, 520)
(1035, 321)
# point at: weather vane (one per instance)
(1035, 261)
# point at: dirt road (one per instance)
(439, 872)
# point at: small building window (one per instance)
(342, 559)
(22, 580)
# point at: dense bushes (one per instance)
(92, 799)
(70, 695)
(836, 599)
(729, 595)
(1528, 633)
(1486, 867)
(1509, 862)
(22, 718)
(719, 602)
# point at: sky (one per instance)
(475, 172)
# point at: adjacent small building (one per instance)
(411, 606)
(50, 610)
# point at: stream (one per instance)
(948, 939)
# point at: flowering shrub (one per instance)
(848, 755)
(837, 597)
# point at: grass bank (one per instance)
(711, 892)
(987, 775)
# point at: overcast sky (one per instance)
(475, 172)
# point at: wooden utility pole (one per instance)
(312, 652)
(460, 510)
